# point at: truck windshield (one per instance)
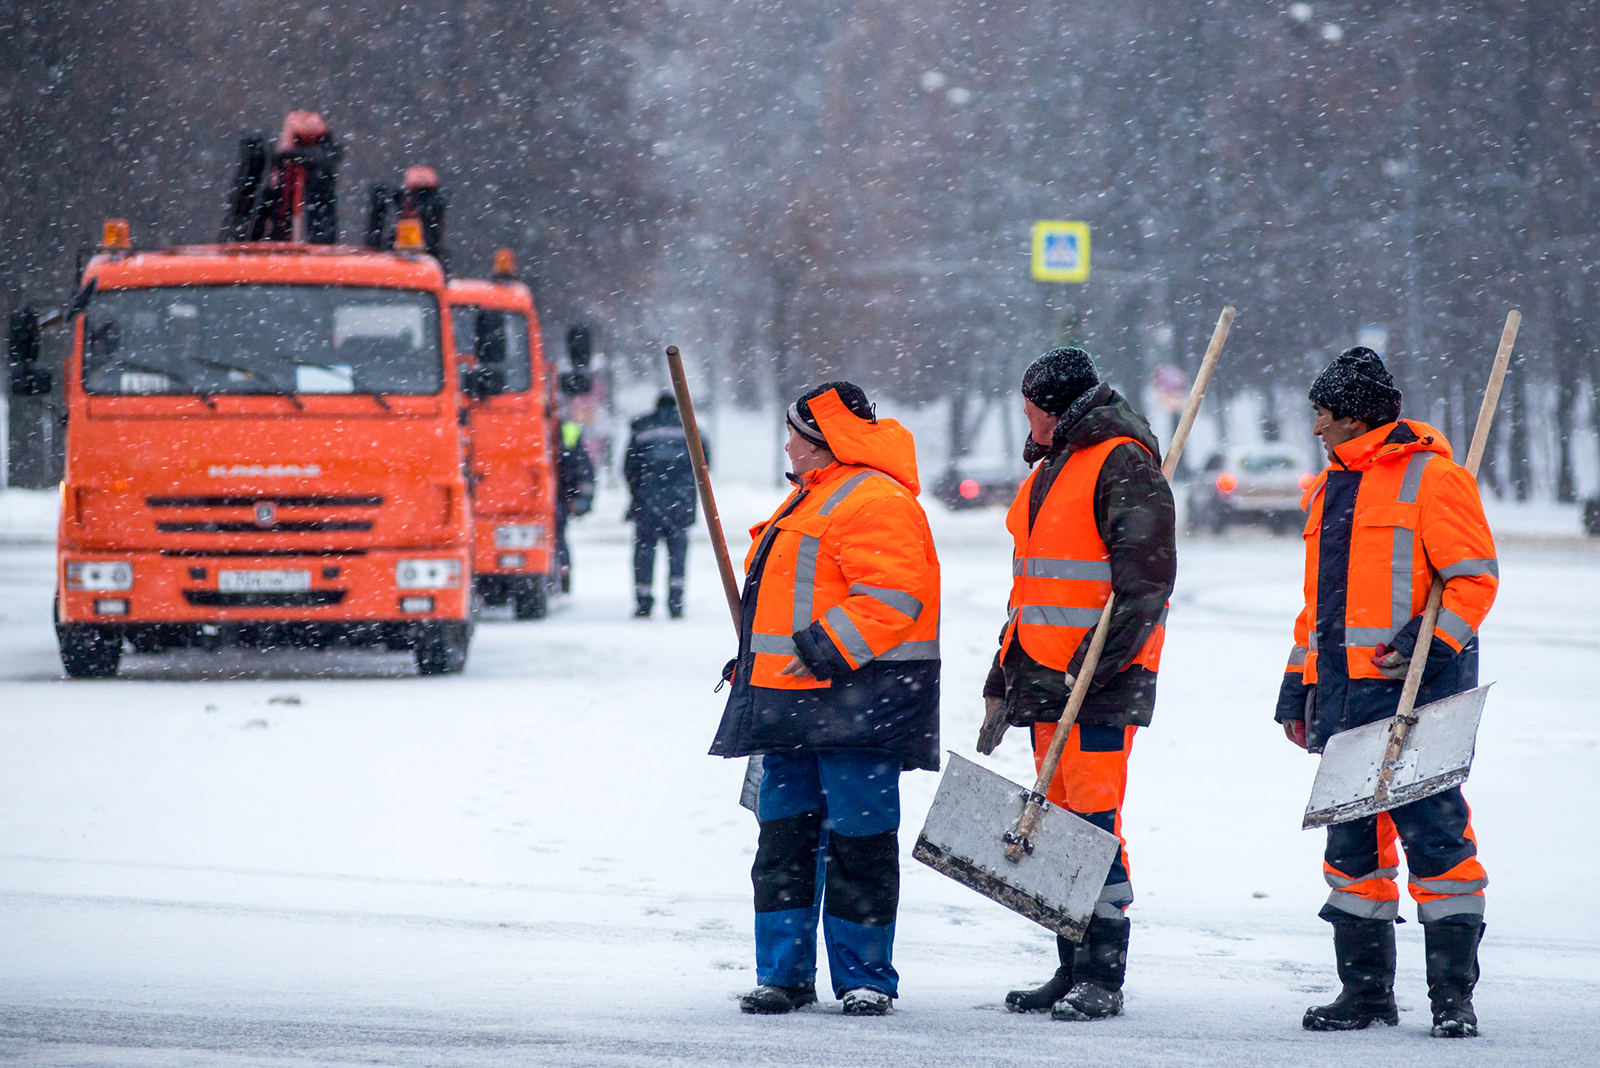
(262, 339)
(464, 323)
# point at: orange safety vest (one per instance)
(1415, 511)
(1061, 569)
(855, 553)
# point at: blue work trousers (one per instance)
(829, 823)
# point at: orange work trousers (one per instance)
(1090, 781)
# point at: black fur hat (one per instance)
(1059, 377)
(1358, 386)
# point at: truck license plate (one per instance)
(263, 581)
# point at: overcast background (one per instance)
(790, 189)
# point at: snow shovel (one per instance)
(719, 544)
(1007, 842)
(1420, 751)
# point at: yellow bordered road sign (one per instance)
(1060, 251)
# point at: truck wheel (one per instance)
(532, 598)
(442, 648)
(89, 652)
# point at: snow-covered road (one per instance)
(295, 858)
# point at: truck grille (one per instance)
(265, 520)
(251, 502)
(297, 599)
(220, 553)
(301, 526)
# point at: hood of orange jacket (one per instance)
(1374, 447)
(884, 446)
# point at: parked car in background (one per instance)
(977, 485)
(1249, 484)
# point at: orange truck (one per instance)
(510, 439)
(262, 437)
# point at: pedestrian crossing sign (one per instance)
(1061, 251)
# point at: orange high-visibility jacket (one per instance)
(1061, 568)
(1391, 512)
(845, 576)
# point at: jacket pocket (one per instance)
(1389, 515)
(813, 526)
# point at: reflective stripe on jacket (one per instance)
(1389, 513)
(845, 576)
(1061, 569)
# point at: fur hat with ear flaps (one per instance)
(838, 416)
(805, 424)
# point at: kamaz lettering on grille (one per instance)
(264, 471)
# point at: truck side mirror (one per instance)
(489, 346)
(481, 383)
(579, 349)
(27, 378)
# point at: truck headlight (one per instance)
(99, 575)
(519, 536)
(427, 574)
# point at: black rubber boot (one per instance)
(776, 1000)
(1041, 998)
(1098, 992)
(1452, 973)
(1364, 953)
(643, 605)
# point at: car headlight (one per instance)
(519, 536)
(99, 575)
(427, 574)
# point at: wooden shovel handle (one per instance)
(1404, 716)
(1197, 393)
(702, 478)
(1017, 841)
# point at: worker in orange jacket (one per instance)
(1389, 512)
(836, 687)
(1095, 517)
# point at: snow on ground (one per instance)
(29, 515)
(297, 858)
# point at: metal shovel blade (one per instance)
(1437, 755)
(1056, 885)
(750, 790)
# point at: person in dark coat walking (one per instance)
(574, 492)
(660, 475)
(1094, 518)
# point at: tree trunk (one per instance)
(959, 445)
(1521, 469)
(1594, 411)
(1566, 401)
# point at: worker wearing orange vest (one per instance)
(836, 687)
(1389, 512)
(1094, 518)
